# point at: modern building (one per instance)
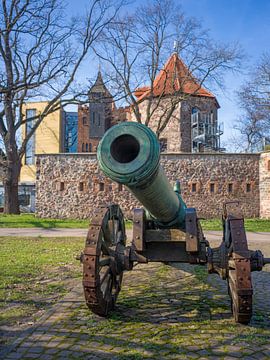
(48, 138)
(71, 132)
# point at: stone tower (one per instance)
(193, 124)
(95, 119)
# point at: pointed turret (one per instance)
(99, 90)
(174, 78)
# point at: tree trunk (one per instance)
(11, 180)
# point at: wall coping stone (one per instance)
(172, 154)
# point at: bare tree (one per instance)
(254, 97)
(135, 47)
(41, 51)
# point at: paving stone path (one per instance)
(163, 312)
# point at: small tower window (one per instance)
(163, 144)
(195, 110)
(84, 119)
(86, 147)
(194, 187)
(90, 147)
(93, 118)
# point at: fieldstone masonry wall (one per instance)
(71, 185)
(265, 185)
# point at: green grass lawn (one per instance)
(29, 221)
(34, 273)
(254, 225)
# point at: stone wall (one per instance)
(265, 185)
(71, 186)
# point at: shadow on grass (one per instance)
(157, 315)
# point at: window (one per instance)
(30, 147)
(101, 186)
(90, 147)
(82, 147)
(84, 119)
(86, 147)
(194, 187)
(93, 115)
(230, 188)
(98, 119)
(24, 199)
(248, 187)
(69, 138)
(163, 144)
(212, 187)
(81, 186)
(195, 110)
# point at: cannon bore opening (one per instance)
(125, 148)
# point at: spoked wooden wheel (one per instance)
(101, 275)
(239, 274)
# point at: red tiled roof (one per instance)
(174, 77)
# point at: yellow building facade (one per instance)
(48, 138)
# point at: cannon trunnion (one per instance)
(164, 230)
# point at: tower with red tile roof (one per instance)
(193, 124)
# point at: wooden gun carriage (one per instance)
(164, 230)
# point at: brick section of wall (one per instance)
(265, 185)
(71, 185)
(83, 127)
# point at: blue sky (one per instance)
(243, 21)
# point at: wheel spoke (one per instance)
(104, 276)
(104, 261)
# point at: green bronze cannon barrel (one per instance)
(129, 154)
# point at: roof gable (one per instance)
(174, 77)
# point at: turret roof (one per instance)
(174, 77)
(99, 86)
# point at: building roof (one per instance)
(99, 86)
(174, 77)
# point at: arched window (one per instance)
(90, 147)
(195, 110)
(86, 147)
(82, 147)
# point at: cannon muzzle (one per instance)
(129, 154)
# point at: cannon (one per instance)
(164, 229)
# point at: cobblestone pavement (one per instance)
(163, 312)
